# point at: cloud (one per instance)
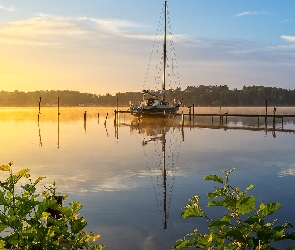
(46, 29)
(288, 38)
(10, 9)
(286, 20)
(251, 13)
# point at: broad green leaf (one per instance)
(230, 202)
(246, 205)
(3, 200)
(226, 218)
(216, 203)
(29, 188)
(78, 225)
(66, 211)
(183, 244)
(203, 241)
(218, 224)
(217, 193)
(270, 208)
(232, 246)
(192, 212)
(252, 219)
(2, 227)
(213, 178)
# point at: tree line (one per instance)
(198, 95)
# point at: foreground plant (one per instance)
(241, 227)
(29, 220)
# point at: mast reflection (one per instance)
(161, 144)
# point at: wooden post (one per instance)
(40, 105)
(274, 117)
(182, 119)
(193, 114)
(117, 102)
(265, 113)
(282, 122)
(58, 105)
(258, 121)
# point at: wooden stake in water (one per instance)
(58, 105)
(85, 112)
(117, 113)
(40, 105)
(193, 114)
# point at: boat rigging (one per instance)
(157, 104)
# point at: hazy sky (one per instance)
(103, 46)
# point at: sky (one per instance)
(103, 46)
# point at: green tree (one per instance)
(31, 221)
(243, 226)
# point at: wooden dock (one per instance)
(221, 118)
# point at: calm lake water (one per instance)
(117, 172)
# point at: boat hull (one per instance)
(154, 111)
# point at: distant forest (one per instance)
(198, 95)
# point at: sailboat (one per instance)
(156, 104)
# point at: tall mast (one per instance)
(165, 53)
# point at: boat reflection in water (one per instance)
(160, 141)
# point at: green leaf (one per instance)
(78, 225)
(29, 188)
(218, 224)
(3, 201)
(38, 180)
(220, 203)
(270, 208)
(2, 227)
(192, 212)
(183, 244)
(246, 205)
(203, 241)
(66, 211)
(230, 202)
(252, 219)
(249, 187)
(213, 178)
(217, 193)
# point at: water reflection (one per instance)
(269, 125)
(118, 172)
(160, 141)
